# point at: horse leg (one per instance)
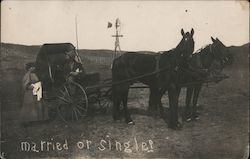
(116, 104)
(116, 110)
(178, 95)
(152, 109)
(173, 102)
(197, 90)
(127, 116)
(161, 93)
(189, 94)
(152, 106)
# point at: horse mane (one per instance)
(204, 55)
(171, 50)
(202, 50)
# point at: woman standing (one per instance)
(32, 110)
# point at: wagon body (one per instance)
(54, 65)
(51, 62)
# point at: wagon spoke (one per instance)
(67, 91)
(72, 115)
(63, 99)
(73, 90)
(59, 112)
(61, 92)
(79, 112)
(77, 99)
(107, 104)
(80, 107)
(75, 113)
(64, 95)
(81, 101)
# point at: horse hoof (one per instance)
(117, 120)
(188, 119)
(197, 118)
(176, 127)
(131, 123)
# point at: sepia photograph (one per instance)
(124, 79)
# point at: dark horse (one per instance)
(205, 64)
(156, 71)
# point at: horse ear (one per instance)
(220, 41)
(213, 39)
(182, 32)
(192, 31)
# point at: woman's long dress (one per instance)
(32, 110)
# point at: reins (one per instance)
(109, 84)
(157, 72)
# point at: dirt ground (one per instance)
(222, 131)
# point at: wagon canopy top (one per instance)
(53, 61)
(56, 48)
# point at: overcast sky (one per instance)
(146, 25)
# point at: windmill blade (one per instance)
(109, 24)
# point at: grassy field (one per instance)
(222, 132)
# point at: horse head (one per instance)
(221, 55)
(186, 46)
(221, 52)
(176, 59)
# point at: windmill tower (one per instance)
(116, 36)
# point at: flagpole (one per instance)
(77, 40)
(76, 32)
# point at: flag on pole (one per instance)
(109, 25)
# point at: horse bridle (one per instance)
(221, 60)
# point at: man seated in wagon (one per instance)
(73, 65)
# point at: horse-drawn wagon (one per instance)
(64, 80)
(65, 83)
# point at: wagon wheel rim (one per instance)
(105, 101)
(74, 102)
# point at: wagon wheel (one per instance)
(72, 101)
(105, 101)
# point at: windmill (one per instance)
(117, 36)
